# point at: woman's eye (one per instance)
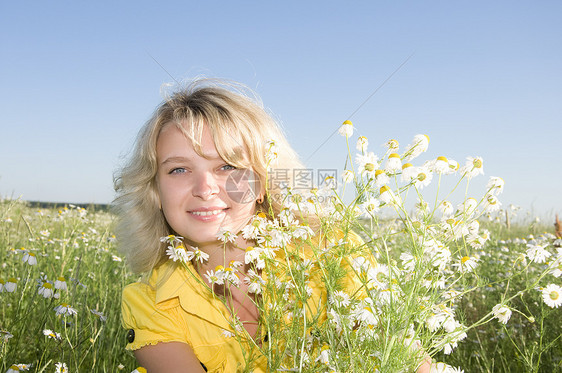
(178, 170)
(228, 167)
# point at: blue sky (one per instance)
(484, 79)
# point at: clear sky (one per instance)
(484, 79)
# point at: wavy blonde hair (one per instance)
(241, 130)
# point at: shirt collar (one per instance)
(173, 280)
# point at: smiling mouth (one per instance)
(206, 213)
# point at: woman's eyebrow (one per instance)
(180, 159)
(175, 160)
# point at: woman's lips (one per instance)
(208, 214)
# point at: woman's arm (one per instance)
(169, 357)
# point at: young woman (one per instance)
(201, 168)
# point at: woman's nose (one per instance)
(206, 186)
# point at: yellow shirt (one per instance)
(183, 309)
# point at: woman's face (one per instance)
(200, 195)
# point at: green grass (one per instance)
(78, 245)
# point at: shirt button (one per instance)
(130, 335)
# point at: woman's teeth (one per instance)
(206, 213)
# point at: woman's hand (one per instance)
(170, 357)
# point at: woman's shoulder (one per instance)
(147, 286)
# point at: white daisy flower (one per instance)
(115, 258)
(418, 146)
(324, 356)
(502, 313)
(179, 253)
(340, 299)
(453, 166)
(423, 177)
(466, 264)
(254, 282)
(14, 368)
(552, 295)
(61, 368)
(11, 285)
(393, 163)
(392, 145)
(51, 334)
(440, 368)
(537, 253)
(46, 290)
(362, 143)
(367, 316)
(65, 309)
(214, 277)
(139, 370)
(381, 178)
(408, 261)
(386, 194)
(98, 314)
(227, 334)
(254, 255)
(198, 255)
(473, 167)
(171, 239)
(346, 129)
(378, 276)
(495, 185)
(491, 203)
(441, 165)
(60, 283)
(5, 335)
(29, 258)
(367, 164)
(347, 176)
(231, 277)
(370, 207)
(226, 236)
(446, 208)
(408, 172)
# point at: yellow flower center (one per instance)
(394, 155)
(406, 165)
(219, 268)
(465, 259)
(554, 295)
(383, 189)
(477, 163)
(141, 370)
(62, 279)
(369, 167)
(348, 123)
(421, 176)
(46, 285)
(261, 215)
(444, 159)
(378, 172)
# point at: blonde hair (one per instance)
(242, 132)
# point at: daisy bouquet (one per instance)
(377, 281)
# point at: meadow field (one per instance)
(466, 286)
